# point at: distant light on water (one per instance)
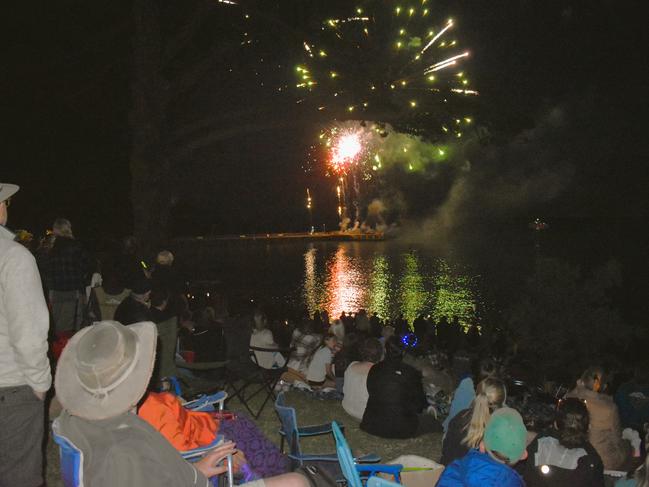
(310, 284)
(453, 296)
(380, 286)
(345, 285)
(412, 285)
(413, 294)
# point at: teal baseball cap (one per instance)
(506, 434)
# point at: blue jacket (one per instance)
(462, 397)
(477, 469)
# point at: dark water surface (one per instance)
(482, 269)
(382, 277)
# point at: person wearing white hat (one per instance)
(101, 376)
(25, 374)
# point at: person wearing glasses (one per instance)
(25, 374)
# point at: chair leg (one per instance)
(239, 393)
(270, 394)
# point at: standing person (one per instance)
(66, 269)
(105, 299)
(24, 368)
(167, 335)
(136, 307)
(129, 266)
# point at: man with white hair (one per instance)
(66, 272)
(24, 368)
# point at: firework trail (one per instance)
(387, 62)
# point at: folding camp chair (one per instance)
(266, 379)
(352, 469)
(71, 458)
(293, 433)
(206, 402)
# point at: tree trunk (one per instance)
(150, 169)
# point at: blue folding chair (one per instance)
(197, 453)
(71, 458)
(205, 403)
(202, 402)
(290, 430)
(293, 433)
(354, 471)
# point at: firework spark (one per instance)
(378, 64)
(344, 153)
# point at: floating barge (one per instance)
(334, 236)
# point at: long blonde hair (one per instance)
(490, 395)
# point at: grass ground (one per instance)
(309, 411)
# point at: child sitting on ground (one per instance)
(320, 372)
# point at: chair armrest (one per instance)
(316, 429)
(324, 457)
(202, 365)
(197, 453)
(262, 349)
(369, 458)
(206, 403)
(380, 467)
(285, 352)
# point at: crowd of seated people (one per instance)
(390, 398)
(386, 383)
(104, 379)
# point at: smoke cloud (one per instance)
(480, 179)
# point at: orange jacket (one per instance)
(184, 429)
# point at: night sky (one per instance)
(66, 103)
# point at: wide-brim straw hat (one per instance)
(7, 191)
(105, 368)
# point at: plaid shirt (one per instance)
(305, 345)
(66, 267)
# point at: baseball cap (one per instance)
(506, 434)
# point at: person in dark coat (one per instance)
(563, 456)
(137, 306)
(397, 403)
(66, 270)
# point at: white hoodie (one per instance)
(24, 319)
